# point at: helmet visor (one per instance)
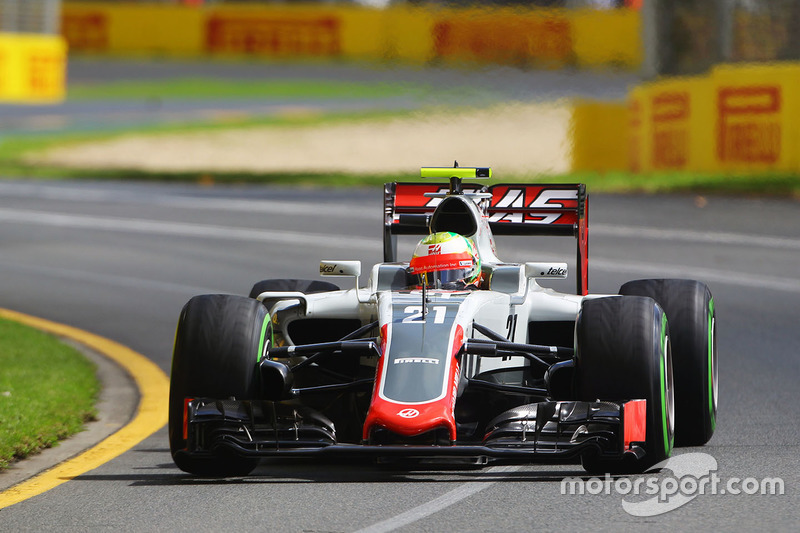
(447, 279)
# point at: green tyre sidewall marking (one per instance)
(668, 440)
(262, 337)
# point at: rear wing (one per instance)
(512, 209)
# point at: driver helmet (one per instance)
(446, 260)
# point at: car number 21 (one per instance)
(414, 313)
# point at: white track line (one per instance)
(685, 235)
(184, 229)
(708, 275)
(207, 231)
(437, 504)
(284, 207)
(185, 201)
(112, 280)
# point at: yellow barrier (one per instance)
(672, 125)
(638, 132)
(155, 29)
(407, 35)
(599, 135)
(757, 110)
(225, 30)
(503, 36)
(553, 37)
(738, 118)
(292, 32)
(610, 37)
(32, 68)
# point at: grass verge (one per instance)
(761, 184)
(203, 88)
(47, 391)
(14, 148)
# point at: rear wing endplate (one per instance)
(512, 209)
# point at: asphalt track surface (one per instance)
(119, 260)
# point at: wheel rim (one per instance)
(669, 396)
(713, 371)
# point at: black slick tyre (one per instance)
(690, 309)
(218, 342)
(623, 353)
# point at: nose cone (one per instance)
(410, 420)
(416, 381)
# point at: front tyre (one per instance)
(218, 343)
(692, 323)
(623, 353)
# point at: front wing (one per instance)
(551, 431)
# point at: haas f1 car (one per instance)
(455, 356)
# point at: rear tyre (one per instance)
(690, 308)
(623, 353)
(306, 286)
(218, 342)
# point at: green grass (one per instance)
(47, 391)
(13, 147)
(203, 88)
(758, 184)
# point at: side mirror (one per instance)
(546, 270)
(340, 268)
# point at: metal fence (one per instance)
(764, 30)
(691, 35)
(30, 16)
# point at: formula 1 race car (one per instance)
(455, 356)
